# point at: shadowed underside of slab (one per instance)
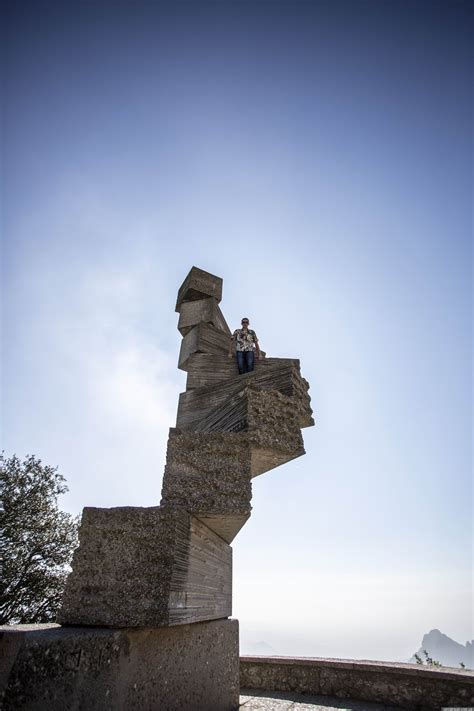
(225, 525)
(139, 567)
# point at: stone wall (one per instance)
(410, 686)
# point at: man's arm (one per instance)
(257, 347)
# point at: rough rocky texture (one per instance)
(197, 404)
(208, 473)
(186, 668)
(197, 285)
(206, 310)
(409, 686)
(273, 429)
(138, 567)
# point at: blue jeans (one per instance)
(245, 361)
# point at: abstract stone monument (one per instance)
(143, 577)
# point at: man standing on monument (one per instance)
(246, 346)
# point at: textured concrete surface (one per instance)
(152, 571)
(208, 472)
(193, 312)
(281, 701)
(408, 686)
(209, 475)
(202, 338)
(197, 404)
(273, 427)
(198, 285)
(51, 668)
(205, 369)
(150, 567)
(146, 567)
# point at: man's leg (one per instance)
(241, 361)
(249, 361)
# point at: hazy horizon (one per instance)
(317, 156)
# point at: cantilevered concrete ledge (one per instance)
(409, 686)
(197, 404)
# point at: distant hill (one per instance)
(445, 650)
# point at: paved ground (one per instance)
(280, 701)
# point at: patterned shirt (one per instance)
(244, 340)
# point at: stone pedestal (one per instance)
(186, 668)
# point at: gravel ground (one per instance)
(280, 701)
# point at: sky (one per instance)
(317, 157)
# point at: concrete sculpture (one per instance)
(171, 566)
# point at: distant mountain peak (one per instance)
(445, 650)
(435, 634)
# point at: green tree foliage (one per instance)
(36, 540)
(429, 661)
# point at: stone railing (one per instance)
(410, 686)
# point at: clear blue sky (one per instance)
(317, 156)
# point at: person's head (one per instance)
(245, 322)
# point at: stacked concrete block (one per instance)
(197, 286)
(207, 310)
(202, 338)
(209, 475)
(165, 572)
(196, 404)
(171, 565)
(147, 567)
(230, 427)
(206, 369)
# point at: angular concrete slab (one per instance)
(207, 310)
(203, 338)
(197, 285)
(47, 667)
(225, 525)
(142, 567)
(198, 404)
(253, 408)
(208, 473)
(209, 476)
(206, 369)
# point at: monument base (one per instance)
(193, 667)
